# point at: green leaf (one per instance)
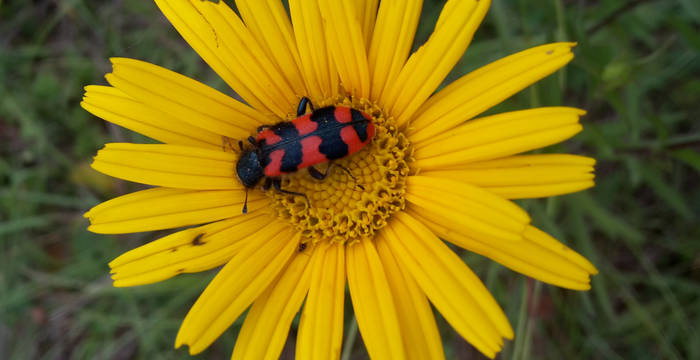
(607, 221)
(688, 156)
(665, 192)
(692, 8)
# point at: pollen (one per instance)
(346, 209)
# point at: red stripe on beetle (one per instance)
(349, 136)
(304, 125)
(269, 137)
(273, 168)
(310, 152)
(342, 114)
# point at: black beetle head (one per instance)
(249, 169)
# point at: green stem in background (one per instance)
(520, 325)
(502, 21)
(530, 329)
(561, 35)
(614, 15)
(525, 327)
(645, 320)
(350, 340)
(674, 142)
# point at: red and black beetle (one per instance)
(325, 134)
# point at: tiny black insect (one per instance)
(302, 247)
(198, 240)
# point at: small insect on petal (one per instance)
(197, 241)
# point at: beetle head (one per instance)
(249, 169)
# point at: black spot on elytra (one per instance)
(291, 145)
(359, 123)
(332, 145)
(328, 129)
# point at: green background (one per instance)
(636, 72)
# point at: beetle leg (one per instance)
(267, 184)
(349, 174)
(263, 127)
(252, 140)
(317, 174)
(301, 109)
(277, 183)
(320, 176)
(344, 169)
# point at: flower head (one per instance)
(431, 172)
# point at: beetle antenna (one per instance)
(245, 204)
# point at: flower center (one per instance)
(343, 209)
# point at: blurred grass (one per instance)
(636, 72)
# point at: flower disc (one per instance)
(343, 209)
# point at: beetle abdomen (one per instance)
(326, 134)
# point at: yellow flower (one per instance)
(432, 172)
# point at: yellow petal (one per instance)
(117, 107)
(544, 240)
(538, 255)
(533, 161)
(222, 40)
(269, 23)
(373, 302)
(427, 67)
(545, 174)
(184, 99)
(540, 191)
(482, 214)
(346, 44)
(192, 250)
(517, 176)
(392, 39)
(172, 166)
(234, 288)
(421, 339)
(321, 326)
(498, 136)
(367, 14)
(266, 326)
(449, 284)
(208, 234)
(487, 86)
(164, 208)
(319, 71)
